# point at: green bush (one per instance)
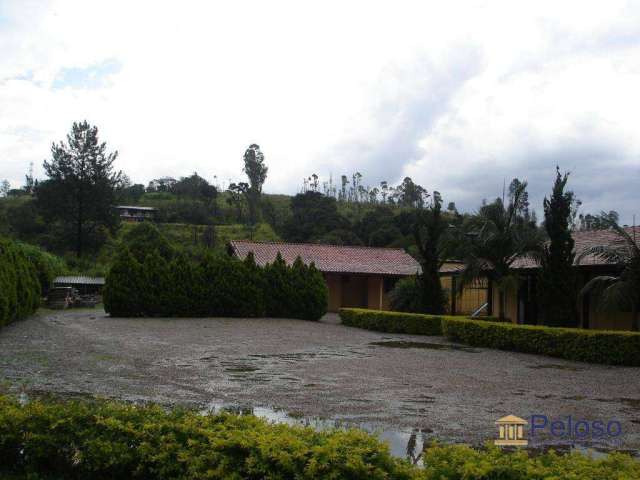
(106, 440)
(219, 285)
(296, 291)
(145, 238)
(19, 285)
(406, 296)
(392, 322)
(48, 266)
(595, 346)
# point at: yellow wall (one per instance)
(356, 291)
(471, 298)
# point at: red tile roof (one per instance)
(332, 258)
(583, 241)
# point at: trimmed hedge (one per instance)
(19, 285)
(594, 346)
(106, 440)
(217, 286)
(392, 322)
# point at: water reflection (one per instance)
(408, 443)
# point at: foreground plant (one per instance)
(106, 440)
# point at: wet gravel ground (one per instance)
(313, 369)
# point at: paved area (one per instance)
(312, 370)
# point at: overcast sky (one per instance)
(458, 95)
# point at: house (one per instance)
(521, 300)
(356, 276)
(135, 214)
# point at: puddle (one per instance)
(403, 443)
(633, 403)
(425, 345)
(555, 366)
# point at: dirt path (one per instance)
(313, 370)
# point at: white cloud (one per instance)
(457, 96)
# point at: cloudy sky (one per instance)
(458, 95)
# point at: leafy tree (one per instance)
(497, 236)
(410, 194)
(5, 186)
(256, 170)
(80, 191)
(557, 279)
(237, 192)
(602, 221)
(144, 239)
(313, 216)
(429, 232)
(277, 278)
(157, 291)
(623, 290)
(183, 278)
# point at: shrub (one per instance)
(406, 296)
(595, 346)
(47, 265)
(392, 322)
(219, 285)
(104, 440)
(19, 285)
(122, 294)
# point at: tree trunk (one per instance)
(501, 301)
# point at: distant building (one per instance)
(84, 285)
(135, 214)
(521, 300)
(356, 276)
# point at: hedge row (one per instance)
(48, 266)
(107, 440)
(392, 322)
(19, 285)
(216, 286)
(594, 346)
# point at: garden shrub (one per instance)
(406, 296)
(218, 285)
(106, 440)
(47, 265)
(19, 285)
(124, 285)
(392, 322)
(595, 346)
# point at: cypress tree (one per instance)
(157, 291)
(557, 288)
(278, 288)
(183, 279)
(122, 295)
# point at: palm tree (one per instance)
(498, 236)
(622, 290)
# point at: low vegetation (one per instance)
(150, 278)
(594, 346)
(392, 322)
(19, 284)
(104, 440)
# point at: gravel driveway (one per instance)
(312, 370)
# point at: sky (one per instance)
(460, 96)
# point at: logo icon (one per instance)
(511, 432)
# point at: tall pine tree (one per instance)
(81, 187)
(557, 288)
